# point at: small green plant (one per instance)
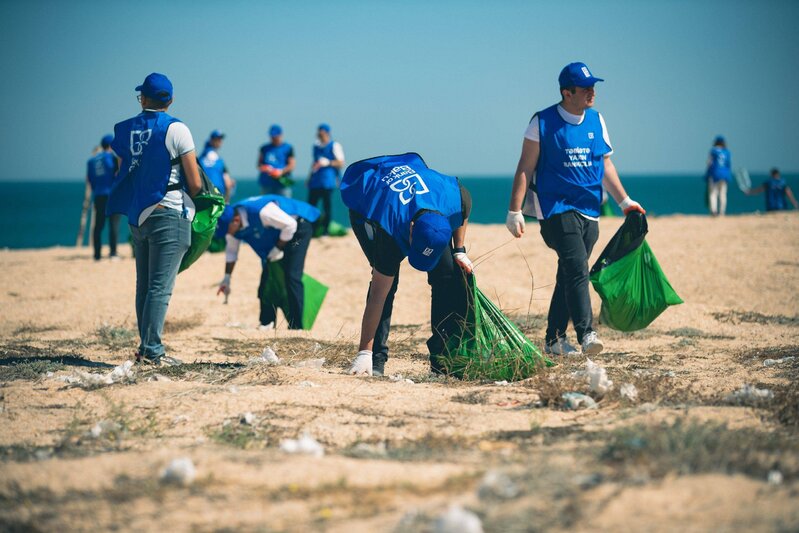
(115, 337)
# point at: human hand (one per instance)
(515, 223)
(629, 205)
(275, 254)
(362, 364)
(275, 172)
(463, 260)
(224, 287)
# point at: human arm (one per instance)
(755, 191)
(791, 198)
(230, 184)
(191, 173)
(521, 180)
(272, 216)
(378, 292)
(232, 245)
(612, 184)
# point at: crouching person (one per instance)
(399, 207)
(276, 228)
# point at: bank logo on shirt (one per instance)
(406, 182)
(138, 140)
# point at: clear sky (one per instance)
(455, 81)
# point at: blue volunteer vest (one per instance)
(262, 238)
(100, 172)
(276, 156)
(775, 194)
(214, 167)
(720, 164)
(325, 177)
(570, 165)
(391, 189)
(145, 168)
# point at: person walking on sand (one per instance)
(277, 228)
(718, 176)
(275, 163)
(399, 207)
(158, 177)
(214, 165)
(777, 191)
(328, 160)
(564, 164)
(100, 172)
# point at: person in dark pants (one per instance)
(328, 160)
(399, 207)
(277, 228)
(564, 164)
(100, 172)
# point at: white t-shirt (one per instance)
(338, 151)
(271, 217)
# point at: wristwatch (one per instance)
(459, 250)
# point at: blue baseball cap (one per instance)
(223, 222)
(577, 75)
(324, 126)
(275, 130)
(216, 134)
(156, 86)
(106, 141)
(430, 237)
(719, 140)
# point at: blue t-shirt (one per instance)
(775, 194)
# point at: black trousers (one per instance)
(325, 195)
(448, 296)
(293, 263)
(99, 223)
(572, 236)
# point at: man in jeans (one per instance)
(564, 164)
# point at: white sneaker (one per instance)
(560, 347)
(362, 364)
(266, 327)
(591, 344)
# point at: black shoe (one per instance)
(379, 364)
(436, 367)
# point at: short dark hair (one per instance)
(774, 171)
(157, 105)
(572, 89)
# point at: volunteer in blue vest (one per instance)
(399, 207)
(275, 163)
(718, 175)
(564, 164)
(100, 172)
(777, 192)
(214, 165)
(277, 228)
(155, 194)
(328, 160)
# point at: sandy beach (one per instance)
(685, 454)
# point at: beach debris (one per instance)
(647, 407)
(80, 378)
(233, 389)
(179, 471)
(775, 362)
(368, 449)
(629, 391)
(305, 445)
(104, 427)
(774, 477)
(308, 384)
(268, 357)
(180, 419)
(597, 377)
(457, 520)
(247, 418)
(750, 395)
(236, 325)
(400, 379)
(503, 383)
(310, 363)
(576, 400)
(158, 377)
(497, 485)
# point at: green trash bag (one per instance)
(490, 345)
(274, 291)
(217, 245)
(209, 205)
(334, 229)
(629, 280)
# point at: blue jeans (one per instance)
(159, 245)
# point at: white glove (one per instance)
(515, 223)
(463, 261)
(275, 254)
(323, 162)
(224, 287)
(362, 364)
(628, 204)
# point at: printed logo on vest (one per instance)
(138, 140)
(405, 181)
(427, 252)
(590, 134)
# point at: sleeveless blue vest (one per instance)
(100, 171)
(775, 194)
(390, 189)
(325, 177)
(720, 164)
(262, 238)
(570, 165)
(214, 167)
(145, 168)
(276, 156)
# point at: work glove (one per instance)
(276, 172)
(463, 261)
(266, 169)
(323, 162)
(275, 254)
(224, 287)
(515, 223)
(362, 364)
(628, 205)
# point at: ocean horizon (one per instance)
(41, 214)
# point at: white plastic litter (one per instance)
(775, 362)
(775, 477)
(576, 400)
(305, 445)
(86, 379)
(496, 484)
(629, 391)
(308, 384)
(399, 379)
(180, 419)
(597, 377)
(458, 520)
(179, 471)
(503, 383)
(268, 357)
(104, 426)
(233, 389)
(749, 395)
(247, 418)
(236, 325)
(310, 363)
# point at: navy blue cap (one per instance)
(223, 222)
(324, 126)
(156, 86)
(275, 130)
(577, 75)
(719, 140)
(216, 134)
(430, 236)
(106, 141)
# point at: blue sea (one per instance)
(38, 214)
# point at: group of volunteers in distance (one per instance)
(398, 207)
